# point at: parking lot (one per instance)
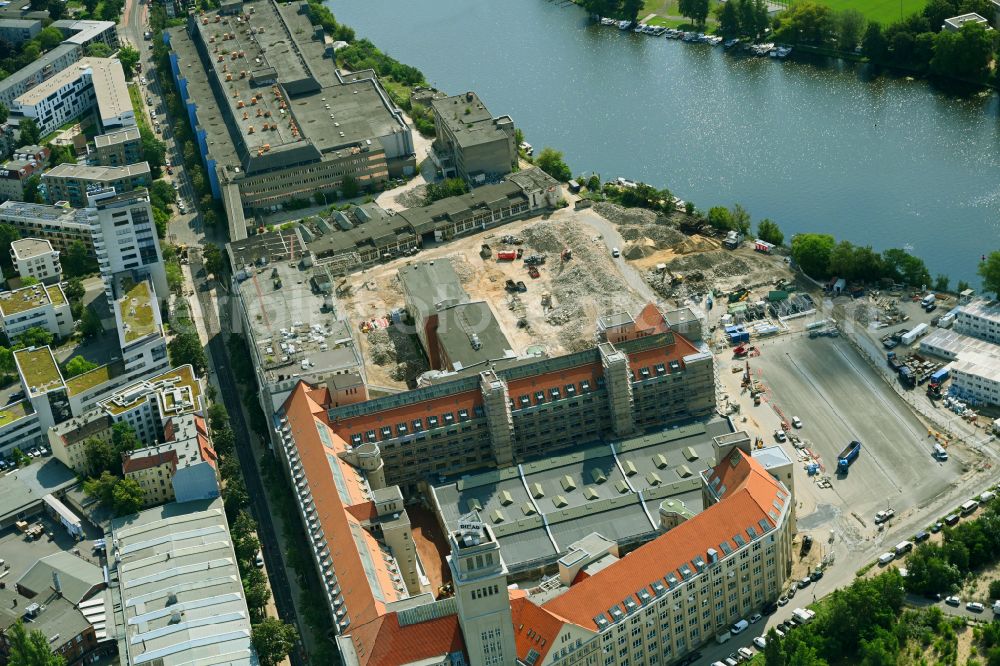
(839, 399)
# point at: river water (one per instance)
(819, 146)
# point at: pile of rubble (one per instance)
(412, 198)
(393, 347)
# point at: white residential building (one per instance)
(149, 404)
(61, 225)
(89, 83)
(140, 331)
(37, 306)
(35, 258)
(125, 241)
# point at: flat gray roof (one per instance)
(26, 486)
(97, 173)
(25, 248)
(119, 136)
(455, 209)
(44, 62)
(468, 119)
(179, 557)
(431, 285)
(379, 228)
(77, 577)
(470, 334)
(613, 488)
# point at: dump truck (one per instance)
(848, 456)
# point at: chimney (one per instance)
(56, 585)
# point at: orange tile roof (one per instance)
(650, 319)
(384, 642)
(535, 628)
(407, 413)
(364, 511)
(750, 500)
(343, 531)
(134, 464)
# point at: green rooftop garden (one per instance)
(56, 295)
(88, 380)
(39, 369)
(137, 312)
(14, 412)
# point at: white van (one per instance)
(927, 300)
(987, 496)
(739, 627)
(903, 547)
(885, 558)
(940, 452)
(969, 507)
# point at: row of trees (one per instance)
(966, 548)
(742, 18)
(626, 10)
(820, 256)
(362, 54)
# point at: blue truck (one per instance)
(848, 456)
(906, 377)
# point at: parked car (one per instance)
(760, 642)
(885, 558)
(745, 652)
(259, 560)
(884, 516)
(780, 435)
(953, 601)
(782, 601)
(615, 252)
(755, 618)
(804, 583)
(975, 607)
(816, 575)
(796, 422)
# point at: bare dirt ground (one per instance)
(578, 291)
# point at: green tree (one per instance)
(127, 497)
(33, 190)
(774, 654)
(28, 131)
(161, 194)
(90, 324)
(186, 349)
(76, 261)
(101, 50)
(740, 219)
(851, 26)
(449, 187)
(989, 270)
(811, 253)
(551, 162)
(8, 234)
(35, 337)
(769, 231)
(245, 542)
(630, 9)
(4, 113)
(748, 18)
(273, 640)
(255, 588)
(720, 218)
(101, 457)
(57, 9)
(49, 38)
(729, 19)
(805, 23)
(6, 361)
(90, 6)
(349, 187)
(123, 438)
(941, 282)
(696, 10)
(31, 648)
(965, 54)
(102, 488)
(874, 44)
(74, 290)
(901, 266)
(215, 263)
(154, 151)
(761, 18)
(77, 366)
(594, 183)
(129, 57)
(218, 417)
(936, 11)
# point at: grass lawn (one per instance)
(135, 94)
(880, 11)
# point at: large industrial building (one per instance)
(470, 143)
(273, 118)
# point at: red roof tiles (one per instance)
(136, 463)
(749, 498)
(384, 642)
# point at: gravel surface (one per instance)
(412, 198)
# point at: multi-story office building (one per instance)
(273, 123)
(119, 148)
(16, 31)
(37, 306)
(182, 469)
(471, 144)
(125, 241)
(61, 225)
(91, 83)
(73, 182)
(35, 258)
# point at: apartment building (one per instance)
(73, 182)
(181, 469)
(140, 331)
(272, 124)
(37, 306)
(119, 148)
(19, 426)
(14, 175)
(35, 258)
(125, 240)
(49, 64)
(147, 406)
(90, 83)
(16, 31)
(87, 32)
(61, 224)
(471, 144)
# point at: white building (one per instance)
(149, 404)
(975, 376)
(34, 257)
(61, 225)
(19, 427)
(140, 331)
(181, 469)
(125, 241)
(37, 306)
(90, 83)
(980, 319)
